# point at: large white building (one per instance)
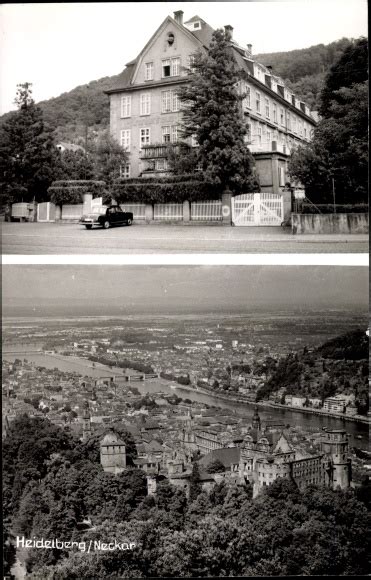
(145, 110)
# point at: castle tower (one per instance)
(86, 424)
(335, 444)
(256, 423)
(112, 453)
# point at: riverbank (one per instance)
(270, 405)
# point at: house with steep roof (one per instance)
(145, 111)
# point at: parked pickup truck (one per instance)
(112, 216)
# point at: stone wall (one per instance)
(341, 223)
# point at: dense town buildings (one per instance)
(145, 111)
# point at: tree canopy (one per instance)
(211, 109)
(334, 166)
(27, 153)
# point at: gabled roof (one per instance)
(111, 439)
(125, 78)
(227, 455)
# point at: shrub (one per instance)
(161, 190)
(72, 191)
(327, 208)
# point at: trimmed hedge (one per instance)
(72, 191)
(162, 190)
(327, 208)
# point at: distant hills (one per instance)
(304, 70)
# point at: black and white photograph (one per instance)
(185, 421)
(185, 289)
(250, 117)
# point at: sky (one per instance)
(57, 47)
(114, 290)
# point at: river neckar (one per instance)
(358, 432)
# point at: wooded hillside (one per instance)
(304, 70)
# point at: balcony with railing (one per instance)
(160, 150)
(268, 147)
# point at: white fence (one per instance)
(210, 210)
(138, 210)
(168, 211)
(72, 212)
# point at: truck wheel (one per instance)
(129, 222)
(106, 225)
(88, 227)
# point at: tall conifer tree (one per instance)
(212, 114)
(27, 153)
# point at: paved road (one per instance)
(36, 238)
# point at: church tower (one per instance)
(256, 423)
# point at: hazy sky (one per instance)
(113, 290)
(60, 46)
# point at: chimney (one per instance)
(249, 49)
(178, 17)
(228, 31)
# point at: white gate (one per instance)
(257, 209)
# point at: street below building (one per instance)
(50, 238)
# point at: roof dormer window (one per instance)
(196, 25)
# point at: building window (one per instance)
(174, 133)
(126, 106)
(259, 135)
(294, 123)
(166, 101)
(169, 102)
(248, 134)
(269, 135)
(247, 97)
(274, 113)
(144, 136)
(125, 139)
(175, 67)
(171, 67)
(176, 101)
(191, 59)
(145, 104)
(166, 70)
(166, 134)
(288, 122)
(148, 71)
(125, 171)
(282, 117)
(258, 102)
(267, 108)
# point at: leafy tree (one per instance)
(215, 466)
(350, 69)
(27, 154)
(75, 165)
(337, 158)
(212, 114)
(195, 482)
(108, 157)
